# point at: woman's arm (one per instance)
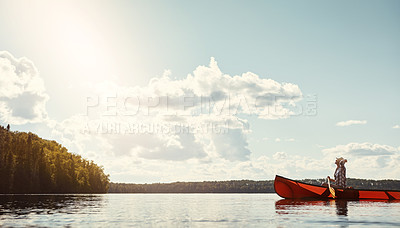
(331, 179)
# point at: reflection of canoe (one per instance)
(298, 206)
(291, 189)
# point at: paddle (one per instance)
(332, 190)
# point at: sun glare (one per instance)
(83, 48)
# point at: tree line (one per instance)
(238, 186)
(363, 183)
(233, 186)
(30, 164)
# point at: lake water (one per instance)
(191, 210)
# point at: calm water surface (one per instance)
(191, 210)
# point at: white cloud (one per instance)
(205, 105)
(22, 92)
(175, 147)
(396, 126)
(232, 146)
(287, 139)
(361, 149)
(368, 160)
(350, 122)
(280, 155)
(209, 91)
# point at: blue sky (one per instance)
(343, 54)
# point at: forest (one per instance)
(30, 164)
(238, 186)
(233, 186)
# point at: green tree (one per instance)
(29, 164)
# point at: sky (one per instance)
(164, 91)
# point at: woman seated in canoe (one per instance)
(340, 173)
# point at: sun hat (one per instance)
(340, 159)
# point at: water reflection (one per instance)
(286, 206)
(341, 207)
(19, 205)
(185, 210)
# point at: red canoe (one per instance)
(291, 189)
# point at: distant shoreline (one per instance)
(237, 186)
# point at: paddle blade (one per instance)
(332, 190)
